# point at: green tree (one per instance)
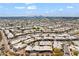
(0, 36)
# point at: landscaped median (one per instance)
(57, 52)
(75, 53)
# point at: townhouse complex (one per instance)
(39, 36)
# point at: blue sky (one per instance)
(37, 9)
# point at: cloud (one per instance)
(31, 7)
(70, 7)
(47, 12)
(61, 9)
(19, 7)
(28, 3)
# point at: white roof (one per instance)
(35, 35)
(77, 48)
(44, 34)
(42, 48)
(57, 44)
(76, 42)
(63, 35)
(7, 31)
(52, 34)
(29, 40)
(28, 48)
(26, 31)
(10, 35)
(19, 45)
(72, 37)
(38, 38)
(48, 37)
(39, 48)
(15, 41)
(72, 47)
(45, 43)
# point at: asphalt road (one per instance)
(66, 50)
